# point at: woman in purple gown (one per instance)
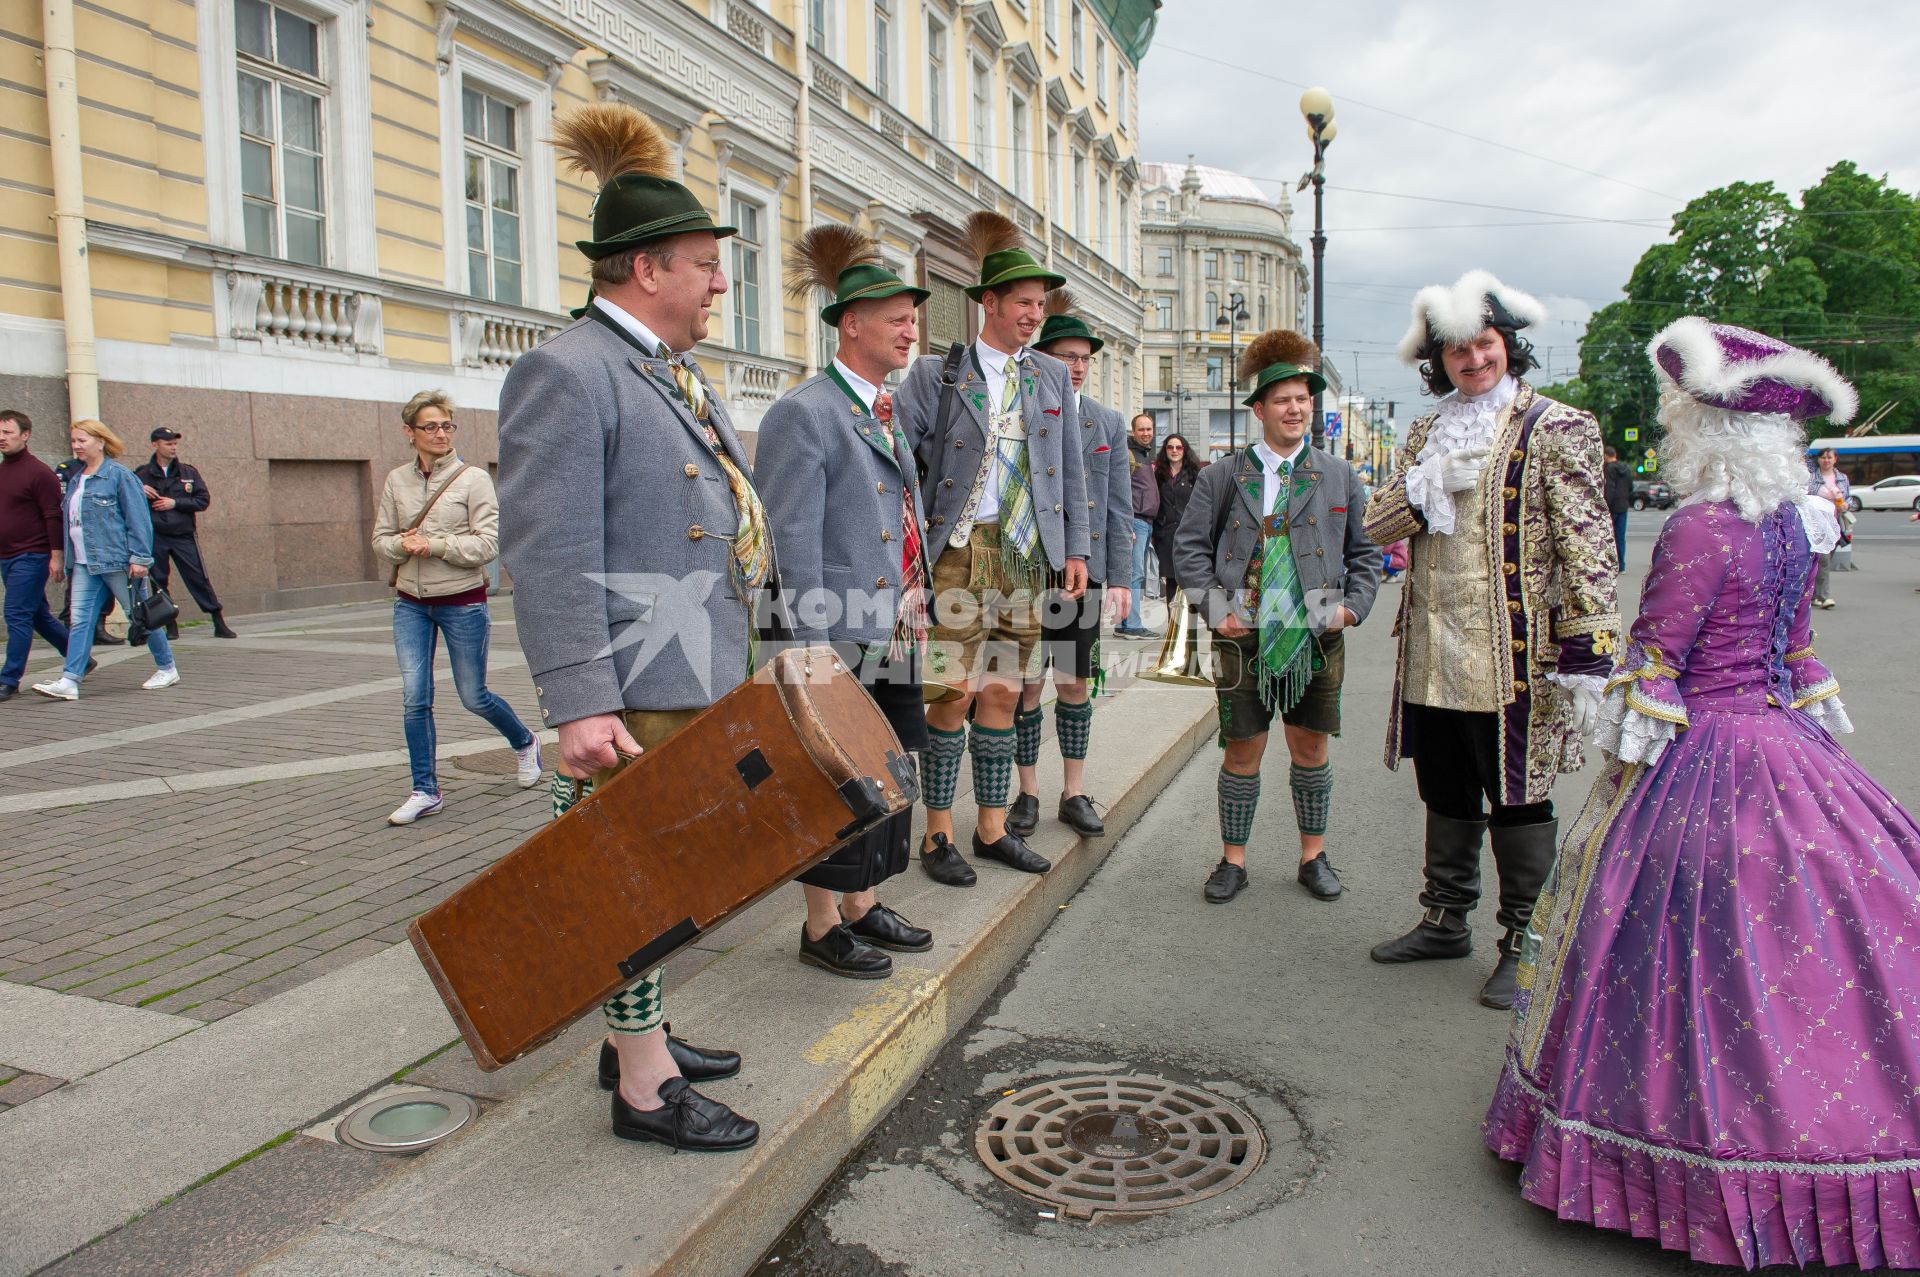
(1716, 1041)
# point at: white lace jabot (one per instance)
(1460, 422)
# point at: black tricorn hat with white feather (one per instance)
(630, 158)
(1448, 315)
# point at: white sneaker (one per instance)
(530, 769)
(60, 689)
(162, 678)
(416, 806)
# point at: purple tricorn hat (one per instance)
(1740, 370)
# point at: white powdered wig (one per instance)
(1457, 313)
(1706, 370)
(1755, 460)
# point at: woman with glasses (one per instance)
(109, 545)
(1174, 469)
(438, 527)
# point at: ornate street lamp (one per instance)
(1231, 316)
(1316, 104)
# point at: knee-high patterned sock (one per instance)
(1239, 799)
(636, 1008)
(1075, 724)
(1026, 726)
(940, 767)
(992, 749)
(1312, 796)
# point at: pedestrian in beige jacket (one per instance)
(438, 527)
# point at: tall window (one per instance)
(817, 25)
(1165, 258)
(982, 115)
(1263, 313)
(1120, 93)
(1216, 370)
(1100, 69)
(748, 250)
(1079, 195)
(1050, 13)
(1166, 372)
(1262, 259)
(1210, 263)
(282, 147)
(937, 78)
(1163, 313)
(1106, 217)
(1018, 158)
(1053, 172)
(1077, 43)
(883, 49)
(1240, 266)
(494, 256)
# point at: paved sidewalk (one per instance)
(198, 850)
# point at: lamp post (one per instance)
(1316, 104)
(1231, 317)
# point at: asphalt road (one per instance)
(1370, 1081)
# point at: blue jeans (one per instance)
(88, 594)
(1620, 538)
(415, 627)
(25, 578)
(1142, 540)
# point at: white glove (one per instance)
(1461, 470)
(1586, 710)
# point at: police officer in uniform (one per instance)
(177, 493)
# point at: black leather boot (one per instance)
(1497, 992)
(173, 630)
(1453, 888)
(220, 627)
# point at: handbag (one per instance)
(150, 609)
(393, 577)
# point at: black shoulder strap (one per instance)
(943, 414)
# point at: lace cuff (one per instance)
(1425, 494)
(1814, 686)
(1830, 714)
(1627, 734)
(1594, 685)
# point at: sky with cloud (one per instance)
(1550, 144)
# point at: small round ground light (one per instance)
(406, 1122)
(1103, 1146)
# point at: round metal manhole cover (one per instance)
(1105, 1146)
(491, 762)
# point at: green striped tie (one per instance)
(1285, 660)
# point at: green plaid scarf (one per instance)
(1287, 656)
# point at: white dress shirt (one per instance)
(995, 366)
(1270, 463)
(641, 333)
(867, 391)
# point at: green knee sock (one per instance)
(940, 767)
(1239, 799)
(1075, 723)
(992, 749)
(1026, 726)
(1312, 796)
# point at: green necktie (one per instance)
(1285, 660)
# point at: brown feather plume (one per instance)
(989, 232)
(820, 254)
(1277, 346)
(609, 140)
(1061, 301)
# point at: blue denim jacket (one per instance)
(114, 520)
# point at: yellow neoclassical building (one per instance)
(267, 223)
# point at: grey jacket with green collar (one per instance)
(1103, 452)
(1222, 528)
(951, 453)
(617, 523)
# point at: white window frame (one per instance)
(1019, 141)
(980, 126)
(1055, 184)
(773, 323)
(1077, 43)
(539, 212)
(1120, 93)
(939, 77)
(829, 27)
(348, 128)
(1103, 219)
(1163, 313)
(1163, 263)
(1079, 183)
(1099, 68)
(880, 50)
(1050, 22)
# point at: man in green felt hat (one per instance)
(1070, 626)
(1272, 549)
(1007, 505)
(843, 495)
(637, 545)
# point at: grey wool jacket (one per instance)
(952, 455)
(616, 522)
(832, 491)
(1103, 454)
(1324, 516)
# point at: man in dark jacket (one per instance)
(31, 546)
(1146, 504)
(177, 493)
(1618, 485)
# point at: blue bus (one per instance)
(1870, 458)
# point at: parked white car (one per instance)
(1901, 492)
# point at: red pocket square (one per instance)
(1103, 448)
(1051, 412)
(1339, 509)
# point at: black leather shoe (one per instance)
(1498, 991)
(1077, 813)
(103, 639)
(1318, 877)
(173, 631)
(1012, 851)
(92, 665)
(1024, 816)
(1225, 882)
(842, 953)
(8, 693)
(220, 627)
(883, 927)
(686, 1120)
(1440, 933)
(696, 1063)
(944, 864)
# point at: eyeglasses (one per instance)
(435, 428)
(1082, 361)
(711, 265)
